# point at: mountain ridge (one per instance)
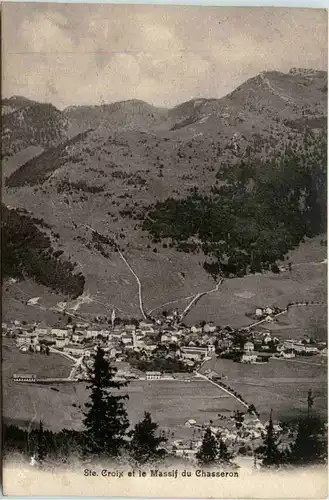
(108, 177)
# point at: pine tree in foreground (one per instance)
(106, 420)
(310, 446)
(145, 446)
(224, 456)
(269, 452)
(41, 447)
(208, 452)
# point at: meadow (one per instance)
(171, 402)
(280, 384)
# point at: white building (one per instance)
(248, 347)
(75, 350)
(190, 423)
(146, 327)
(125, 339)
(130, 328)
(61, 342)
(41, 331)
(288, 354)
(58, 332)
(259, 312)
(311, 349)
(196, 329)
(77, 337)
(153, 375)
(92, 334)
(248, 357)
(209, 328)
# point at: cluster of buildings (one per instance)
(260, 346)
(248, 436)
(121, 342)
(167, 338)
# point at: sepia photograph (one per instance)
(164, 251)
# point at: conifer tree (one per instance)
(145, 446)
(269, 451)
(310, 446)
(106, 420)
(208, 452)
(224, 456)
(41, 448)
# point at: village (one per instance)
(162, 348)
(165, 349)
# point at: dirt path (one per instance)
(140, 298)
(198, 296)
(222, 388)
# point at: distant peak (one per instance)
(19, 98)
(304, 71)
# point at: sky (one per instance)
(73, 54)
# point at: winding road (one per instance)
(198, 296)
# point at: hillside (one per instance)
(132, 157)
(125, 115)
(25, 123)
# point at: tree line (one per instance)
(261, 211)
(107, 433)
(28, 252)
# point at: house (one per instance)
(193, 356)
(58, 332)
(267, 338)
(92, 334)
(61, 342)
(311, 349)
(209, 327)
(287, 354)
(126, 339)
(190, 423)
(298, 347)
(75, 350)
(211, 348)
(248, 357)
(41, 331)
(26, 338)
(196, 329)
(269, 319)
(165, 337)
(77, 337)
(130, 328)
(269, 310)
(83, 325)
(146, 326)
(150, 347)
(248, 347)
(153, 375)
(259, 312)
(24, 377)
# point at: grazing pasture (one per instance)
(280, 384)
(171, 402)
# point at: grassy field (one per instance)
(280, 385)
(171, 403)
(15, 361)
